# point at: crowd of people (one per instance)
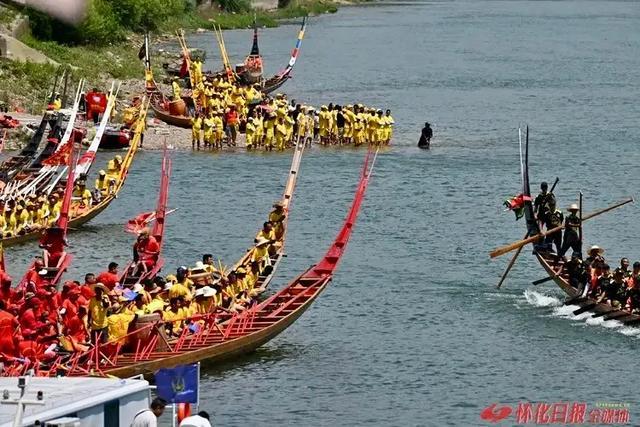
(591, 276)
(33, 212)
(226, 109)
(39, 322)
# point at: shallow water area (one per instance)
(412, 330)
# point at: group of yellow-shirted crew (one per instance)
(271, 123)
(182, 299)
(34, 212)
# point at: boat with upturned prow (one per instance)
(80, 215)
(223, 335)
(177, 112)
(556, 267)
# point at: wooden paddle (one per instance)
(584, 309)
(520, 243)
(510, 265)
(541, 281)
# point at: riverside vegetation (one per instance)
(105, 45)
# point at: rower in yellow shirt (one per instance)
(390, 123)
(100, 183)
(196, 127)
(209, 130)
(258, 123)
(250, 131)
(10, 222)
(177, 91)
(22, 218)
(269, 131)
(301, 124)
(219, 129)
(81, 194)
(281, 134)
(325, 124)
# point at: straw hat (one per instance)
(262, 241)
(168, 286)
(208, 292)
(596, 248)
(137, 288)
(573, 207)
(198, 293)
(99, 286)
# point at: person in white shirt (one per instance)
(200, 420)
(149, 417)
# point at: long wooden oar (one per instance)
(520, 243)
(510, 265)
(541, 281)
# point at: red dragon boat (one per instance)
(223, 335)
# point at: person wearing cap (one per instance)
(202, 303)
(98, 309)
(145, 252)
(572, 225)
(595, 255)
(554, 218)
(425, 136)
(101, 182)
(110, 277)
(260, 253)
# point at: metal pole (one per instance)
(198, 390)
(173, 415)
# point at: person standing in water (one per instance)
(425, 137)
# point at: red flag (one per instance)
(61, 157)
(184, 68)
(136, 224)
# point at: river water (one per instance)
(412, 330)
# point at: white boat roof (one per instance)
(64, 395)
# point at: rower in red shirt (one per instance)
(30, 322)
(53, 243)
(34, 278)
(86, 290)
(145, 252)
(110, 277)
(7, 294)
(9, 328)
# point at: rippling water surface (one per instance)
(412, 330)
